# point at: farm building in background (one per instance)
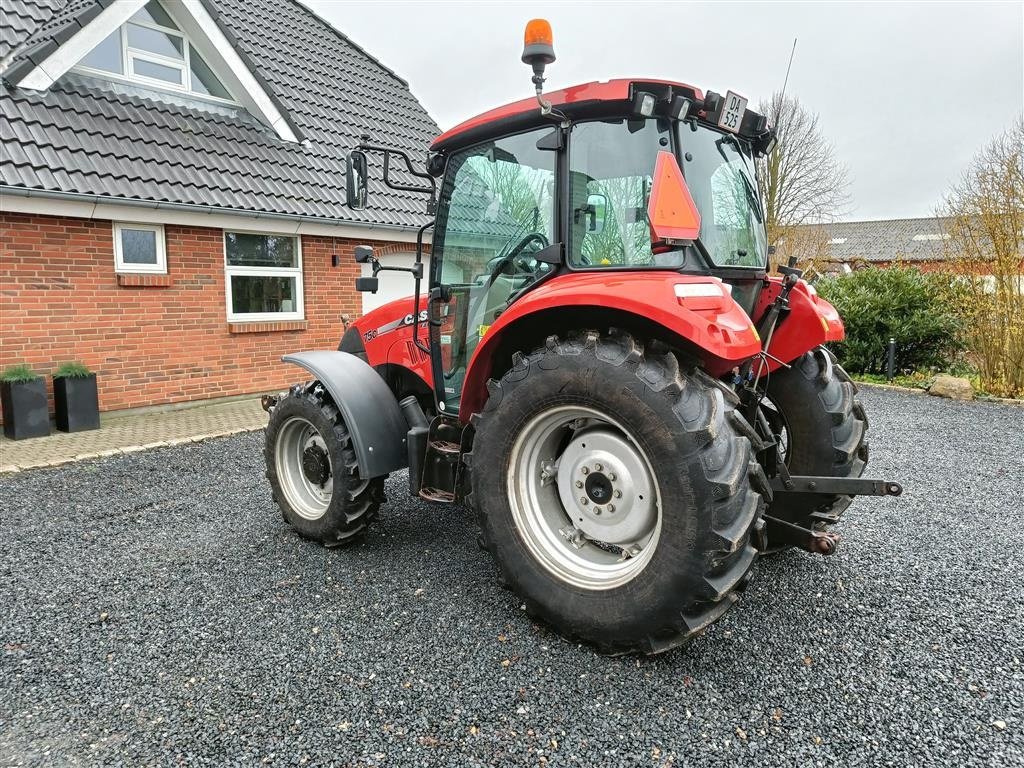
(849, 245)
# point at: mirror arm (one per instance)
(388, 152)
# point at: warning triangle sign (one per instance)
(671, 210)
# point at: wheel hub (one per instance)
(606, 488)
(598, 487)
(315, 464)
(584, 497)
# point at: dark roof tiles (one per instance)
(886, 240)
(86, 136)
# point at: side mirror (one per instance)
(355, 180)
(367, 284)
(596, 213)
(364, 254)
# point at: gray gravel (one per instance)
(155, 610)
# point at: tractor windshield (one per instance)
(719, 172)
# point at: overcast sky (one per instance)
(907, 92)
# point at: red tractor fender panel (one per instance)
(387, 336)
(811, 321)
(695, 307)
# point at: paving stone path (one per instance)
(134, 432)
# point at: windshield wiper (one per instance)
(748, 185)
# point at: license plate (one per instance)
(732, 112)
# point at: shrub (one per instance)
(18, 374)
(917, 309)
(72, 370)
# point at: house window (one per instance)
(139, 248)
(150, 49)
(263, 276)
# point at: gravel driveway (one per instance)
(155, 610)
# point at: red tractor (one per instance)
(600, 367)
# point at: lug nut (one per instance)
(585, 471)
(579, 483)
(618, 494)
(611, 508)
(611, 476)
(584, 500)
(598, 466)
(597, 510)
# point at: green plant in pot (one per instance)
(23, 397)
(75, 399)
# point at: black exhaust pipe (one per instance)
(416, 440)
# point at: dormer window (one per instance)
(150, 49)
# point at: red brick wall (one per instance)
(60, 300)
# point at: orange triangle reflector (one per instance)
(671, 210)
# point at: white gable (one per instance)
(174, 45)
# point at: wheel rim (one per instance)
(304, 468)
(584, 497)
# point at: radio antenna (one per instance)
(788, 68)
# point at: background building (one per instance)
(172, 190)
(848, 245)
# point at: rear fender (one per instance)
(811, 322)
(371, 414)
(714, 325)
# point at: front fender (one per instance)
(703, 313)
(811, 322)
(372, 415)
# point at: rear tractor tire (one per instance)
(825, 432)
(313, 472)
(618, 494)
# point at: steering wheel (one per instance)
(517, 250)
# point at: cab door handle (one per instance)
(440, 293)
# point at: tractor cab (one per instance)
(604, 178)
(628, 175)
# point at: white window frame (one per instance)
(296, 272)
(129, 54)
(160, 268)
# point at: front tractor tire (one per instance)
(813, 405)
(313, 472)
(618, 494)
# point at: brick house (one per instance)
(172, 190)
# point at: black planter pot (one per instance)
(25, 411)
(76, 403)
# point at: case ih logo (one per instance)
(387, 328)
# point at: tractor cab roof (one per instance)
(612, 98)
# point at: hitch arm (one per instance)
(843, 486)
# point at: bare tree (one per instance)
(809, 243)
(801, 179)
(985, 227)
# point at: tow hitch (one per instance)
(782, 532)
(820, 542)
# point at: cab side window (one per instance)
(611, 167)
